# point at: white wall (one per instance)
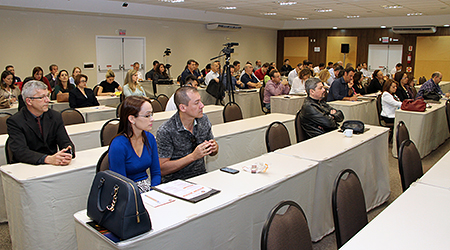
(38, 38)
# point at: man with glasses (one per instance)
(186, 138)
(36, 133)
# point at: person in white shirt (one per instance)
(366, 73)
(213, 74)
(319, 68)
(335, 75)
(298, 85)
(398, 67)
(294, 73)
(191, 80)
(389, 101)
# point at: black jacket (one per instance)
(26, 141)
(374, 86)
(316, 119)
(78, 100)
(402, 93)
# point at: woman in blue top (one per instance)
(134, 149)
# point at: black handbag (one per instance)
(116, 204)
(431, 95)
(216, 89)
(356, 126)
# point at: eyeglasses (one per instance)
(83, 81)
(148, 116)
(39, 97)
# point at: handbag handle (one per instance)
(111, 206)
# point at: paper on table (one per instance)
(156, 199)
(183, 189)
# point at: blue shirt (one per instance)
(124, 160)
(338, 90)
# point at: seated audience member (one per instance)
(267, 77)
(286, 68)
(186, 138)
(261, 72)
(406, 86)
(258, 64)
(339, 89)
(63, 87)
(398, 68)
(131, 85)
(389, 101)
(52, 76)
(206, 70)
(149, 74)
(358, 68)
(213, 74)
(11, 69)
(335, 73)
(75, 72)
(357, 83)
(191, 69)
(377, 82)
(329, 65)
(36, 132)
(134, 149)
(332, 74)
(349, 65)
(308, 64)
(8, 89)
(191, 81)
(366, 73)
(136, 67)
(324, 75)
(275, 87)
(319, 68)
(108, 86)
(160, 73)
(248, 78)
(237, 70)
(298, 85)
(38, 75)
(432, 85)
(294, 73)
(235, 83)
(82, 96)
(316, 116)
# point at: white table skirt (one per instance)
(41, 200)
(427, 129)
(286, 104)
(167, 89)
(363, 110)
(366, 154)
(232, 219)
(244, 139)
(417, 219)
(97, 113)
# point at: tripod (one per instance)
(226, 69)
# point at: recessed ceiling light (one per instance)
(352, 17)
(302, 18)
(334, 27)
(269, 14)
(323, 10)
(227, 7)
(446, 25)
(172, 1)
(396, 6)
(286, 3)
(383, 26)
(414, 14)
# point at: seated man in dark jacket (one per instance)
(316, 116)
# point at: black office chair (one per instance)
(277, 136)
(349, 206)
(3, 117)
(8, 153)
(381, 121)
(447, 112)
(409, 163)
(109, 131)
(402, 134)
(72, 116)
(118, 110)
(299, 131)
(286, 231)
(103, 162)
(231, 112)
(261, 101)
(96, 89)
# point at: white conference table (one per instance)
(231, 219)
(362, 110)
(41, 200)
(366, 154)
(439, 174)
(417, 219)
(286, 104)
(427, 129)
(244, 139)
(97, 113)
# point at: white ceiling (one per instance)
(248, 13)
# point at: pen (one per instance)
(153, 199)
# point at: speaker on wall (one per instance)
(345, 48)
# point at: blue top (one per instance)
(123, 159)
(338, 90)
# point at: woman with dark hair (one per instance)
(62, 83)
(82, 96)
(404, 90)
(134, 149)
(357, 83)
(377, 82)
(160, 73)
(389, 101)
(8, 90)
(38, 75)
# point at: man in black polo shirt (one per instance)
(185, 138)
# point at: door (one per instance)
(384, 57)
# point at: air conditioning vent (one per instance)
(223, 27)
(414, 29)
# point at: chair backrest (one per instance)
(349, 206)
(156, 105)
(447, 112)
(3, 117)
(286, 231)
(409, 163)
(402, 134)
(163, 99)
(96, 89)
(261, 101)
(277, 136)
(8, 153)
(72, 116)
(103, 162)
(299, 131)
(379, 110)
(118, 110)
(232, 112)
(109, 131)
(53, 96)
(122, 97)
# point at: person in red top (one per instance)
(38, 75)
(260, 73)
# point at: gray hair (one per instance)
(311, 83)
(30, 88)
(436, 74)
